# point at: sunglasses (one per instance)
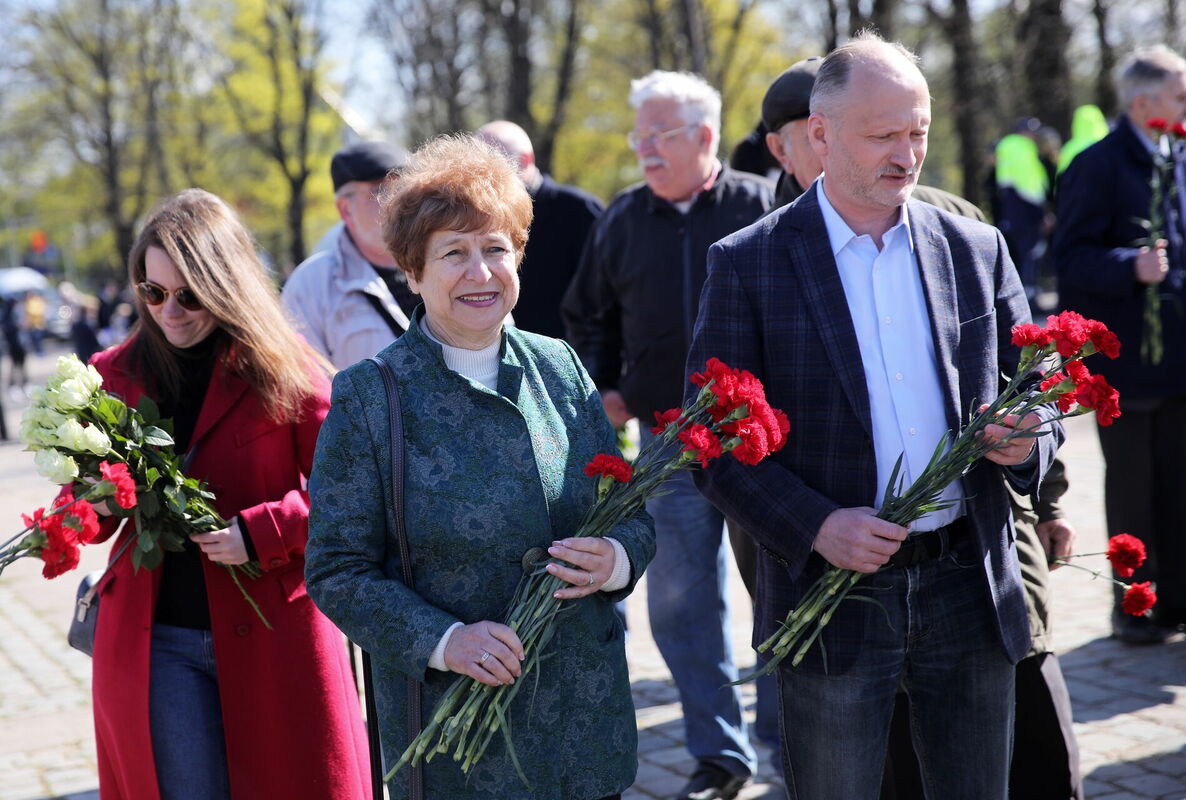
(154, 295)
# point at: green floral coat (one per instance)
(488, 475)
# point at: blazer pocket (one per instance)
(987, 316)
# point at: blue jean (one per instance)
(942, 647)
(185, 716)
(687, 600)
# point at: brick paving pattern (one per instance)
(1129, 702)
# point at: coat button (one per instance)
(275, 562)
(242, 630)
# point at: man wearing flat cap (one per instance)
(350, 300)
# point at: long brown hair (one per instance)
(216, 257)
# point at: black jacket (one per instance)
(1101, 197)
(564, 215)
(630, 310)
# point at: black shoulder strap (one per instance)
(395, 422)
(381, 308)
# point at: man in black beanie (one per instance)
(350, 300)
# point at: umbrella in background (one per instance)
(18, 280)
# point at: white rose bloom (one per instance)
(34, 435)
(95, 441)
(71, 395)
(92, 378)
(70, 435)
(46, 417)
(53, 465)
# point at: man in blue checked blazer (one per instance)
(875, 322)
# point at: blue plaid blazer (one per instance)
(773, 303)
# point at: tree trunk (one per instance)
(1105, 89)
(882, 18)
(691, 20)
(516, 26)
(1044, 40)
(856, 20)
(966, 92)
(832, 26)
(545, 147)
(652, 23)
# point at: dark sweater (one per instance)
(182, 598)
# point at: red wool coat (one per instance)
(289, 707)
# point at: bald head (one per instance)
(870, 114)
(514, 141)
(866, 57)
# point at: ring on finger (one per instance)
(591, 579)
(485, 657)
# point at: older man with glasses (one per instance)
(629, 314)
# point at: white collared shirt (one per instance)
(889, 311)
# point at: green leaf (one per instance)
(149, 503)
(157, 437)
(176, 499)
(150, 475)
(148, 409)
(153, 558)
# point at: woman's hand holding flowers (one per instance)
(488, 652)
(593, 559)
(224, 546)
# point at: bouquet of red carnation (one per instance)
(95, 446)
(54, 536)
(1126, 553)
(1163, 184)
(729, 415)
(1066, 340)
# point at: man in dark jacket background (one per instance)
(564, 215)
(1103, 274)
(629, 314)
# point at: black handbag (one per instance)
(81, 635)
(415, 701)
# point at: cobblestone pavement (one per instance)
(1129, 703)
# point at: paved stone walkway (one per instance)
(1129, 703)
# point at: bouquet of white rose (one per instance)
(85, 437)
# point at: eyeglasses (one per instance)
(154, 295)
(636, 139)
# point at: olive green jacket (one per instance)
(488, 475)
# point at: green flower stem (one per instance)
(1095, 573)
(58, 510)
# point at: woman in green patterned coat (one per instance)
(498, 425)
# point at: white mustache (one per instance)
(652, 161)
(898, 171)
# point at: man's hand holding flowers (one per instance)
(856, 539)
(1010, 452)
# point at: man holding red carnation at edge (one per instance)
(875, 321)
(1103, 273)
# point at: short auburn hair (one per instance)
(455, 183)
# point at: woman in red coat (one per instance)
(194, 698)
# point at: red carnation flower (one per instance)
(1069, 331)
(755, 440)
(80, 518)
(1096, 394)
(1103, 339)
(1157, 123)
(1051, 381)
(59, 559)
(665, 418)
(1078, 372)
(1030, 334)
(610, 466)
(1178, 129)
(1066, 402)
(1126, 553)
(125, 487)
(701, 441)
(1138, 599)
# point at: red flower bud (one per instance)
(1157, 123)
